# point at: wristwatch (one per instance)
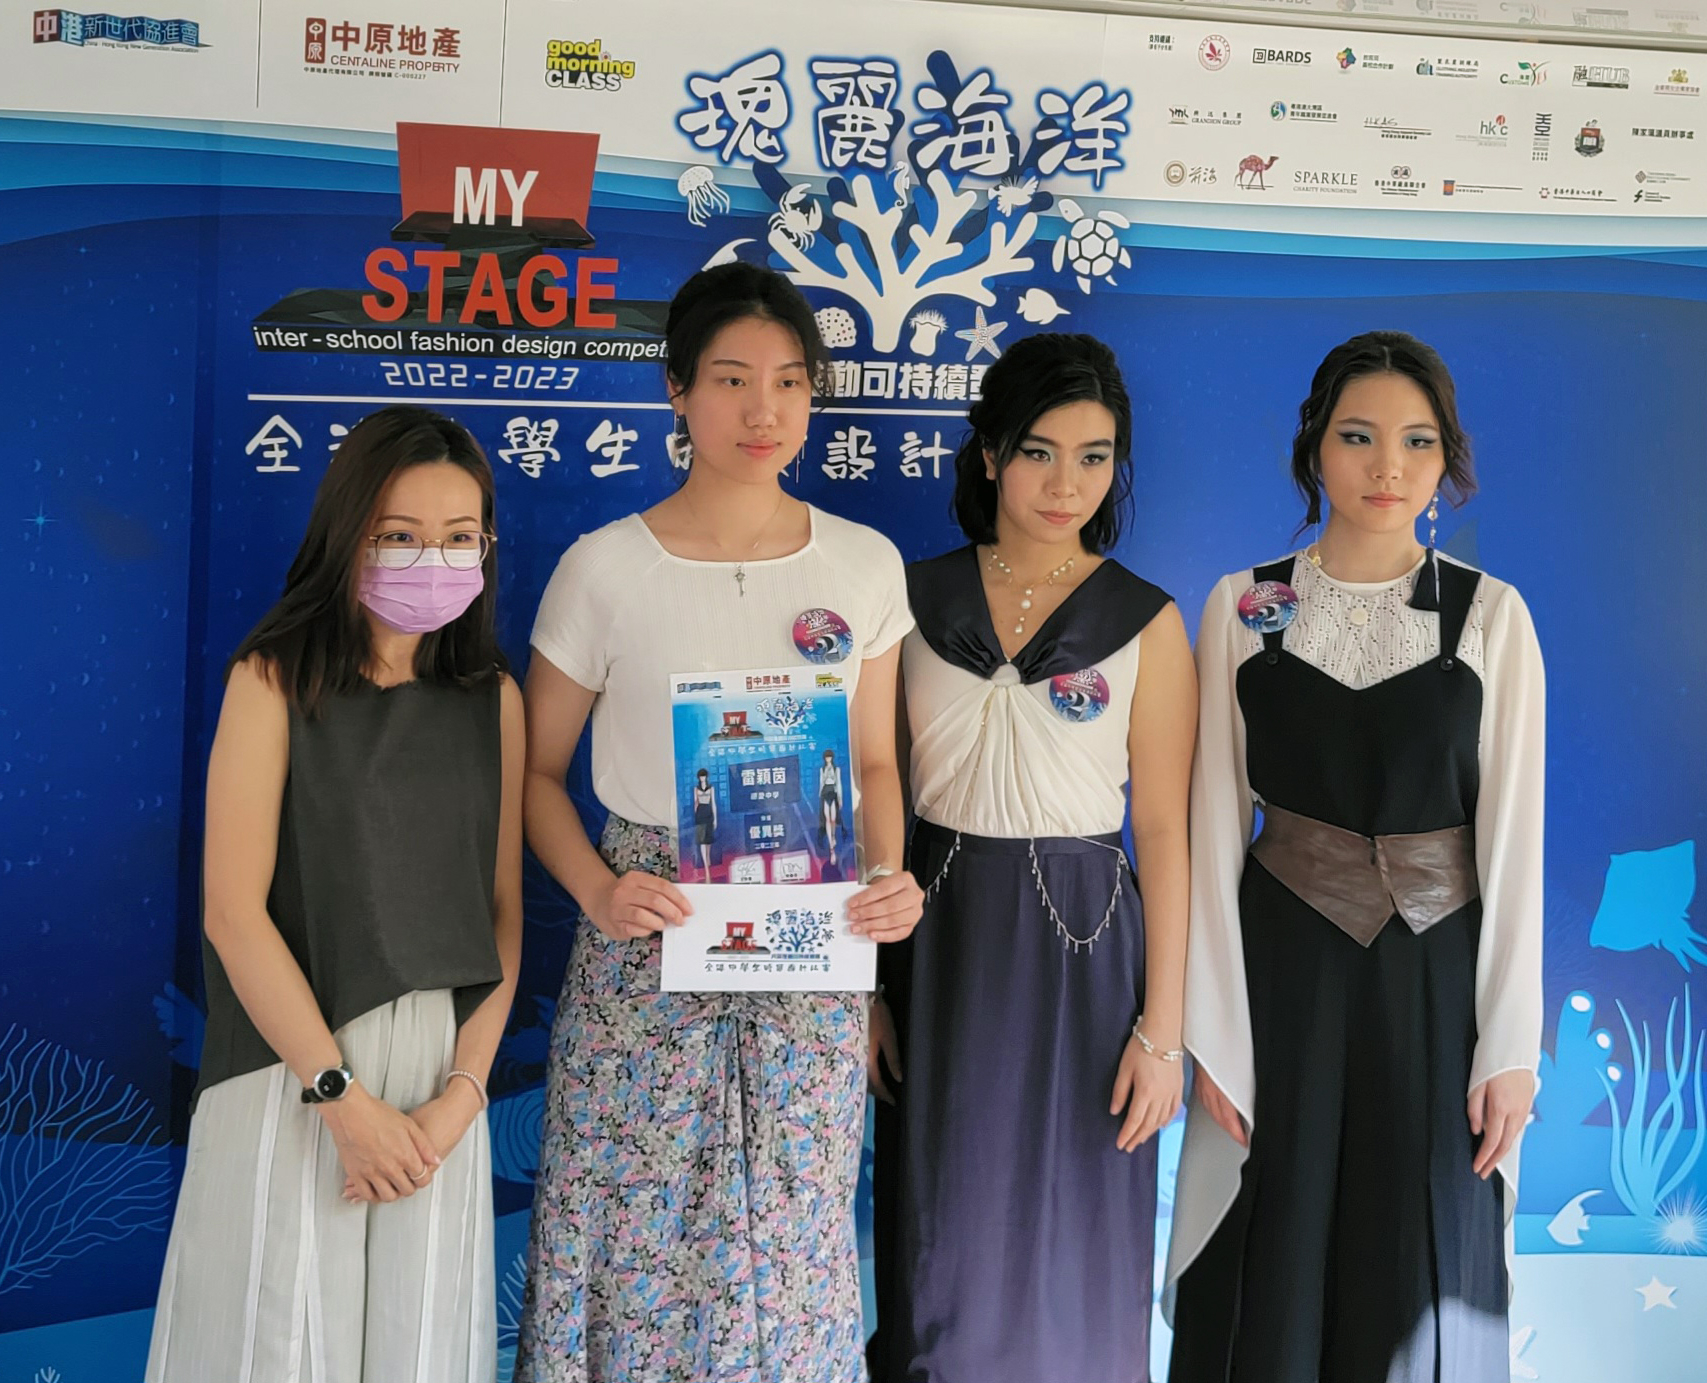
(331, 1084)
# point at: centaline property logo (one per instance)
(350, 49)
(115, 31)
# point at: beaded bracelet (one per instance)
(479, 1084)
(1151, 1049)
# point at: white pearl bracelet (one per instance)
(1150, 1048)
(479, 1085)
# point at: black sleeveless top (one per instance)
(388, 847)
(1399, 757)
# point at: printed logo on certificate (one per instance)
(764, 799)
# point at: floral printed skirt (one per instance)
(694, 1212)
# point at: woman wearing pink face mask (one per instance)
(362, 919)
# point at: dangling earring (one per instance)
(1427, 597)
(1314, 551)
(680, 445)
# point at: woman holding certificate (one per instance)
(694, 1207)
(1038, 1011)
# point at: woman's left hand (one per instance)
(1149, 1090)
(445, 1117)
(888, 909)
(1499, 1108)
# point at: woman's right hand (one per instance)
(386, 1155)
(1220, 1108)
(637, 904)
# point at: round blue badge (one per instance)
(1268, 607)
(823, 636)
(1079, 696)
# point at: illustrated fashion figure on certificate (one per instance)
(1363, 997)
(704, 819)
(1030, 1038)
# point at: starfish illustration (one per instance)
(1656, 1293)
(982, 336)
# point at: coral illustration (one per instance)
(511, 1290)
(1646, 903)
(1646, 1164)
(799, 931)
(80, 1162)
(889, 269)
(1574, 1075)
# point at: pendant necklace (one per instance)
(1026, 591)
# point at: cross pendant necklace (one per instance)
(741, 563)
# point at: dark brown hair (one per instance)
(315, 637)
(1035, 375)
(715, 297)
(1379, 353)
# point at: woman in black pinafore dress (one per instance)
(1363, 999)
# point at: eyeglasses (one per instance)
(401, 549)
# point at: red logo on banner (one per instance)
(314, 41)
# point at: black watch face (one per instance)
(330, 1085)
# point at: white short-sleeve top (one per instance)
(621, 614)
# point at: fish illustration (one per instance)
(1571, 1223)
(1038, 305)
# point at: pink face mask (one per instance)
(421, 598)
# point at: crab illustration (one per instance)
(1091, 245)
(798, 217)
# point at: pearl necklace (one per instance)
(1026, 592)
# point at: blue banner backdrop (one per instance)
(159, 469)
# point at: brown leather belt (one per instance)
(1358, 882)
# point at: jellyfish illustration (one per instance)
(705, 198)
(927, 326)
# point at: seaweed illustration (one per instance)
(81, 1162)
(1646, 1165)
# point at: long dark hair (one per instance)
(315, 637)
(1379, 353)
(1037, 374)
(715, 297)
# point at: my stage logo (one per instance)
(348, 49)
(116, 31)
(581, 64)
(495, 224)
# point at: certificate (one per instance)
(763, 777)
(764, 826)
(768, 937)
